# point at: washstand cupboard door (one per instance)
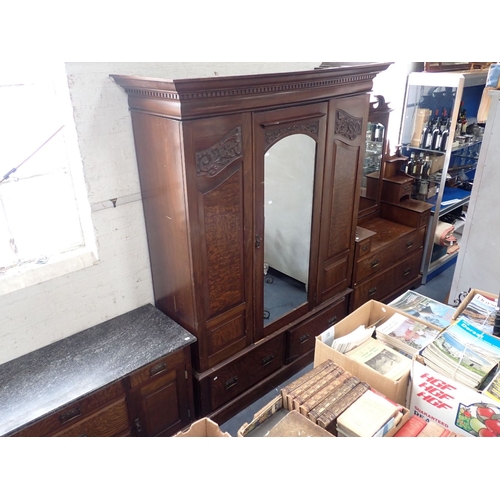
(219, 184)
(160, 398)
(289, 145)
(343, 168)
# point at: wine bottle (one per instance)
(426, 134)
(444, 137)
(423, 187)
(436, 135)
(408, 168)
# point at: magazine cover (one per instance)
(480, 311)
(464, 352)
(424, 308)
(406, 333)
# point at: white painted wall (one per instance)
(120, 281)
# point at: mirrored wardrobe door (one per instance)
(286, 245)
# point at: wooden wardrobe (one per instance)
(250, 186)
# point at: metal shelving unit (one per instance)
(425, 93)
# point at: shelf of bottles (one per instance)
(374, 148)
(442, 141)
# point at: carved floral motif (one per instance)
(214, 159)
(277, 133)
(347, 125)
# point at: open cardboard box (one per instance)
(469, 297)
(274, 412)
(368, 314)
(203, 428)
(271, 415)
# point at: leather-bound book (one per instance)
(311, 383)
(328, 419)
(340, 392)
(322, 394)
(304, 393)
(302, 380)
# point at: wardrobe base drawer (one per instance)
(221, 384)
(300, 339)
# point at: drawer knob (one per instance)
(70, 415)
(407, 271)
(304, 338)
(267, 360)
(372, 291)
(364, 247)
(160, 367)
(375, 263)
(409, 244)
(332, 320)
(231, 383)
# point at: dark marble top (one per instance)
(41, 382)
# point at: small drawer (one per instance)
(383, 259)
(109, 421)
(383, 284)
(363, 242)
(240, 374)
(301, 339)
(156, 368)
(74, 412)
(394, 192)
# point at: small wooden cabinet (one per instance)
(160, 397)
(155, 400)
(129, 376)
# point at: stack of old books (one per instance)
(332, 400)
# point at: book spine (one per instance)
(321, 395)
(306, 386)
(296, 383)
(432, 429)
(336, 395)
(411, 428)
(320, 384)
(385, 428)
(328, 419)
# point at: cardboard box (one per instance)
(435, 397)
(274, 412)
(437, 163)
(271, 415)
(203, 428)
(368, 314)
(469, 297)
(421, 119)
(272, 421)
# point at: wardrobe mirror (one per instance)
(288, 202)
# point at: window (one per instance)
(44, 212)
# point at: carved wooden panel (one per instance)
(214, 159)
(223, 225)
(347, 125)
